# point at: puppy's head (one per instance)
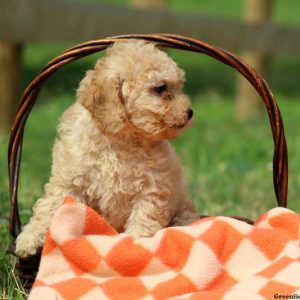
(138, 89)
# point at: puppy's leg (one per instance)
(33, 234)
(185, 218)
(149, 215)
(186, 215)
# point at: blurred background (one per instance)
(227, 155)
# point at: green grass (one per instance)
(228, 164)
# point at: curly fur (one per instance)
(112, 150)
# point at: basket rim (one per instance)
(28, 99)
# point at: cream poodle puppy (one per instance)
(112, 151)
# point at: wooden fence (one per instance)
(23, 21)
(71, 21)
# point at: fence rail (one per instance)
(71, 21)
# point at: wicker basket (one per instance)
(28, 267)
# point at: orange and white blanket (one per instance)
(214, 258)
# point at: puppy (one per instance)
(112, 151)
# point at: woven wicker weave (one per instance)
(27, 268)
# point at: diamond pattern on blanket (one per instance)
(214, 258)
(94, 225)
(134, 257)
(58, 268)
(242, 227)
(246, 259)
(105, 244)
(126, 288)
(73, 288)
(288, 222)
(221, 281)
(154, 265)
(202, 263)
(95, 293)
(194, 230)
(292, 268)
(152, 280)
(263, 237)
(177, 286)
(82, 255)
(179, 246)
(217, 239)
(278, 265)
(50, 244)
(69, 223)
(253, 283)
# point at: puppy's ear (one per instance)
(100, 93)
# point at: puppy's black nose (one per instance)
(190, 113)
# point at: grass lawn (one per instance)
(228, 164)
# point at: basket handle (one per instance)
(280, 158)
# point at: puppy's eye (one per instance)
(161, 88)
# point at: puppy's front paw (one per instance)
(135, 234)
(140, 232)
(27, 245)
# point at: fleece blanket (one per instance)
(214, 258)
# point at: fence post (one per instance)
(10, 69)
(248, 103)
